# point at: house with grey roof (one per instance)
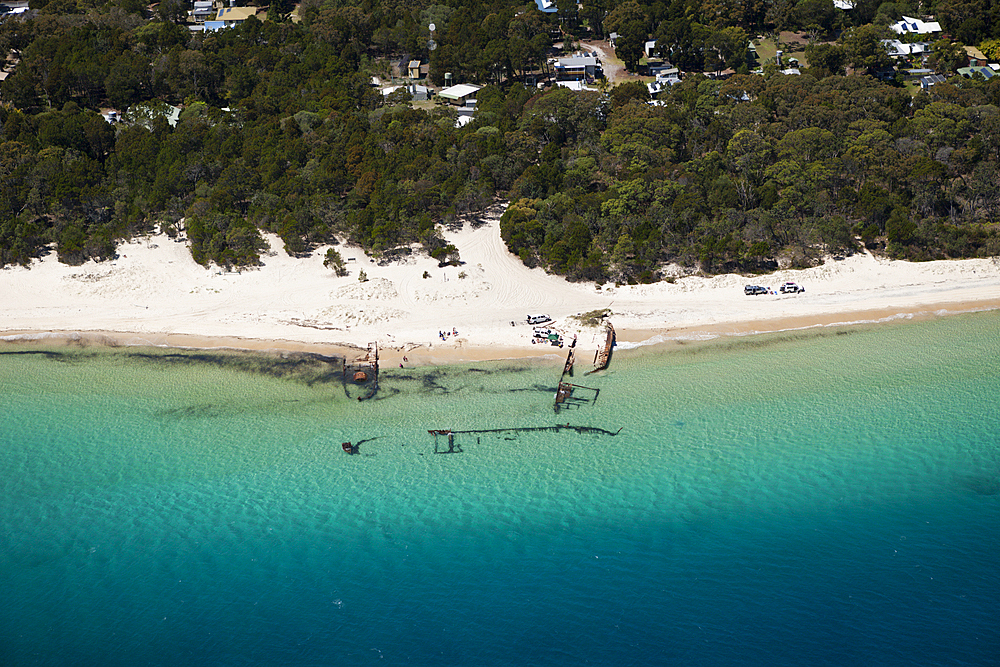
(578, 68)
(203, 11)
(928, 81)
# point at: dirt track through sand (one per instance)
(614, 70)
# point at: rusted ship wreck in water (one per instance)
(361, 375)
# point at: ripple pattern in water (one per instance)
(822, 498)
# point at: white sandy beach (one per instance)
(155, 294)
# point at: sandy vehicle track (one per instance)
(614, 70)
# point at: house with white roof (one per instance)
(418, 92)
(898, 49)
(910, 25)
(460, 94)
(660, 85)
(574, 85)
(14, 7)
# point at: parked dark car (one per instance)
(751, 290)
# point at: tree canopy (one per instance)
(280, 131)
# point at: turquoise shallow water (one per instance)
(822, 498)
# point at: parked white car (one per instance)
(791, 288)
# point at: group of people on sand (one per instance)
(443, 335)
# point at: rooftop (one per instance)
(577, 61)
(973, 52)
(899, 48)
(459, 91)
(574, 85)
(985, 72)
(918, 26)
(236, 13)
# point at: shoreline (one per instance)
(154, 294)
(419, 355)
(640, 338)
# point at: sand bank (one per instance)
(155, 294)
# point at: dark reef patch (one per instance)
(981, 484)
(48, 354)
(303, 367)
(763, 341)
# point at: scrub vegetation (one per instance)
(281, 131)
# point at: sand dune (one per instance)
(154, 293)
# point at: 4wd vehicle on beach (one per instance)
(751, 290)
(791, 288)
(542, 333)
(538, 319)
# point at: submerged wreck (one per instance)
(360, 376)
(454, 447)
(564, 390)
(603, 356)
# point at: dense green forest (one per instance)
(281, 131)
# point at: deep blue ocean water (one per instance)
(829, 497)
